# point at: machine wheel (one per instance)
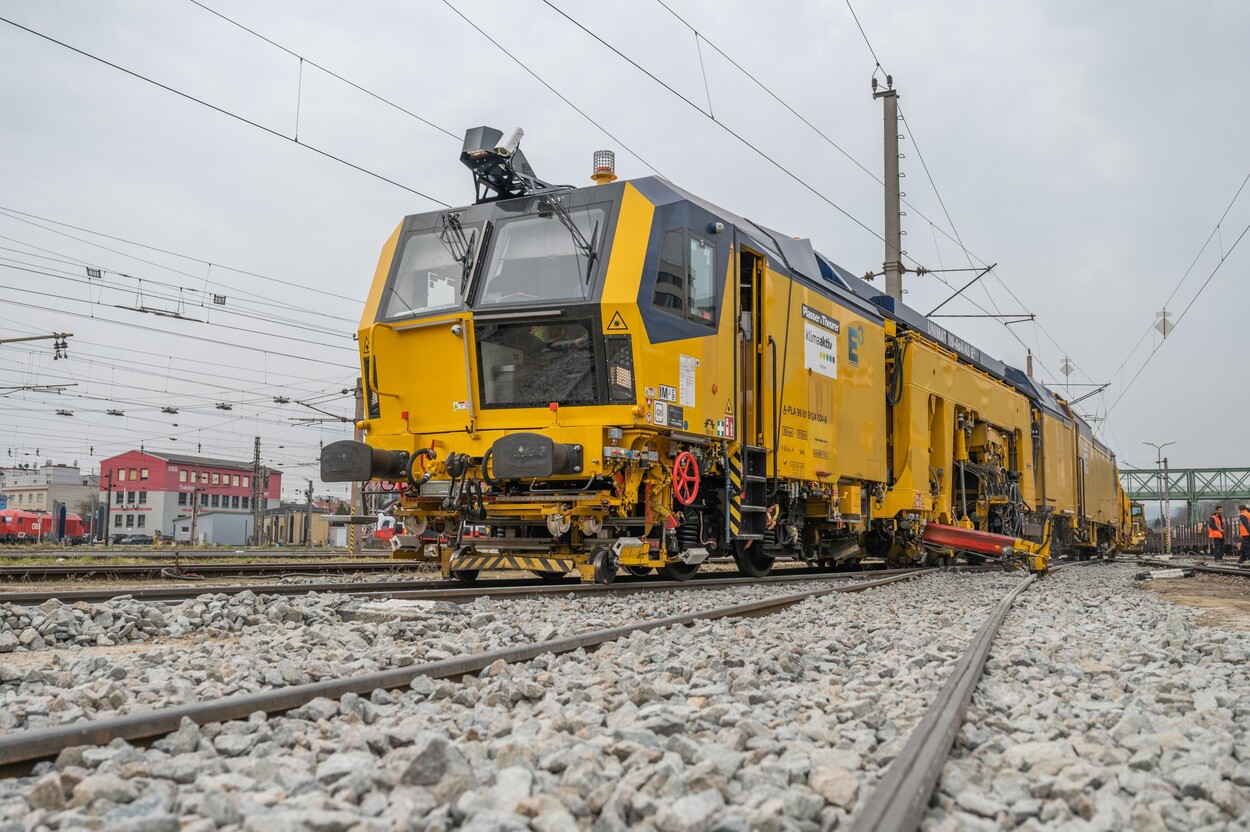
(678, 571)
(465, 576)
(877, 542)
(549, 577)
(605, 565)
(753, 561)
(638, 571)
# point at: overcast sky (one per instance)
(1089, 149)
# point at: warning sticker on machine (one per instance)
(686, 379)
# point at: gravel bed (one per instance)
(1103, 707)
(221, 645)
(780, 722)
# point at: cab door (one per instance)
(750, 367)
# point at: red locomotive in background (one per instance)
(17, 526)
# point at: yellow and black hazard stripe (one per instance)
(735, 494)
(521, 562)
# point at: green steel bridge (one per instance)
(1192, 485)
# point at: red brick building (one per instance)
(147, 492)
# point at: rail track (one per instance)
(439, 590)
(114, 552)
(180, 569)
(20, 749)
(901, 797)
(1211, 569)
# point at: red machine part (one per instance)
(967, 540)
(685, 478)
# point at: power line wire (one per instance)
(224, 111)
(141, 327)
(958, 240)
(770, 93)
(171, 317)
(1185, 276)
(867, 42)
(1185, 311)
(552, 89)
(306, 60)
(714, 120)
(211, 264)
(789, 108)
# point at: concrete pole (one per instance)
(258, 495)
(108, 508)
(195, 505)
(308, 515)
(893, 265)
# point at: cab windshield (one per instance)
(432, 270)
(533, 364)
(548, 255)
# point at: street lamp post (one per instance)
(1165, 508)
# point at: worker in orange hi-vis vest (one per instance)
(1215, 533)
(1243, 534)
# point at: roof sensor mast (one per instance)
(500, 170)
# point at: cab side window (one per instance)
(685, 283)
(702, 280)
(670, 292)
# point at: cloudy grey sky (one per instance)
(1089, 149)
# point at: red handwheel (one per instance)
(685, 478)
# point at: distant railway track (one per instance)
(115, 552)
(22, 748)
(1208, 568)
(439, 590)
(169, 568)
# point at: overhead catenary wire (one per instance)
(224, 111)
(209, 263)
(70, 260)
(793, 111)
(80, 342)
(204, 323)
(753, 147)
(141, 286)
(551, 88)
(1223, 259)
(1214, 232)
(957, 238)
(304, 59)
(132, 325)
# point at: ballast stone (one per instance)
(379, 612)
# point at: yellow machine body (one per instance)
(623, 376)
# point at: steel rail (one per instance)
(1212, 570)
(19, 552)
(899, 801)
(431, 590)
(24, 747)
(151, 571)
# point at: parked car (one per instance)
(135, 540)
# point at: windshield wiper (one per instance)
(587, 247)
(460, 247)
(407, 304)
